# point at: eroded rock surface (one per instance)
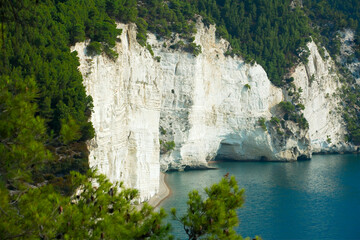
(192, 109)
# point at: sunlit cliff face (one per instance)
(207, 105)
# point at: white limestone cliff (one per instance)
(207, 105)
(127, 101)
(211, 105)
(320, 87)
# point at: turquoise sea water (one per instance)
(316, 199)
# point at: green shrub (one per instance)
(70, 131)
(87, 131)
(193, 48)
(312, 78)
(111, 53)
(303, 123)
(321, 52)
(304, 55)
(94, 48)
(261, 122)
(169, 146)
(157, 58)
(180, 44)
(141, 39)
(300, 106)
(287, 107)
(278, 131)
(77, 34)
(149, 48)
(142, 27)
(328, 139)
(275, 120)
(290, 80)
(162, 131)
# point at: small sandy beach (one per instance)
(164, 192)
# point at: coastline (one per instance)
(164, 192)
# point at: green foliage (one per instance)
(94, 48)
(215, 216)
(279, 132)
(312, 78)
(322, 52)
(122, 10)
(70, 131)
(289, 80)
(290, 114)
(299, 119)
(141, 31)
(193, 48)
(36, 40)
(190, 47)
(247, 86)
(328, 139)
(303, 123)
(102, 210)
(166, 146)
(107, 211)
(179, 45)
(169, 146)
(300, 106)
(42, 86)
(30, 215)
(99, 210)
(275, 120)
(112, 54)
(351, 112)
(87, 131)
(332, 16)
(304, 54)
(22, 134)
(76, 33)
(158, 58)
(162, 131)
(270, 32)
(148, 47)
(163, 18)
(287, 107)
(261, 122)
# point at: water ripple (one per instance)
(317, 199)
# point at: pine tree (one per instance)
(214, 217)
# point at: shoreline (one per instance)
(164, 192)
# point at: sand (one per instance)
(164, 192)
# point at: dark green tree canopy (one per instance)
(214, 217)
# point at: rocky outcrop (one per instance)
(192, 109)
(347, 55)
(319, 84)
(127, 102)
(211, 106)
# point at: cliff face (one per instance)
(207, 106)
(211, 105)
(347, 53)
(320, 85)
(127, 101)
